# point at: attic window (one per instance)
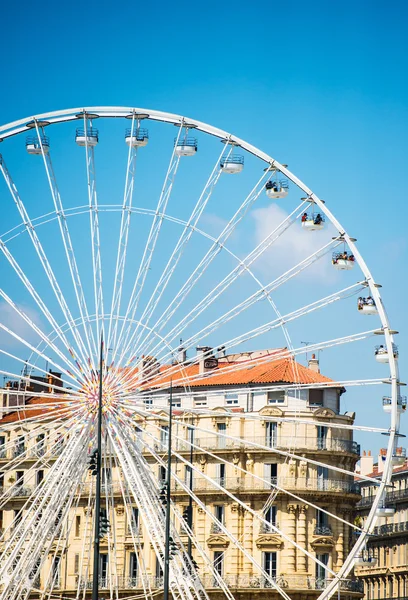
(276, 397)
(315, 397)
(231, 399)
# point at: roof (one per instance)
(28, 413)
(278, 370)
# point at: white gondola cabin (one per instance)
(33, 144)
(401, 404)
(366, 306)
(234, 163)
(385, 511)
(343, 261)
(399, 457)
(139, 137)
(89, 137)
(365, 561)
(312, 222)
(185, 146)
(381, 353)
(277, 188)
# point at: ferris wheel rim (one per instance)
(50, 118)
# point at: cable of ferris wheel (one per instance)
(218, 458)
(123, 240)
(210, 256)
(148, 510)
(36, 297)
(94, 228)
(271, 325)
(150, 243)
(224, 530)
(43, 504)
(239, 308)
(236, 367)
(29, 227)
(42, 335)
(185, 557)
(26, 363)
(181, 244)
(68, 247)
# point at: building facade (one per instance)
(388, 546)
(245, 427)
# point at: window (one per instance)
(269, 565)
(322, 523)
(106, 475)
(20, 478)
(133, 566)
(270, 517)
(321, 571)
(76, 564)
(164, 435)
(321, 437)
(176, 402)
(271, 472)
(276, 397)
(103, 570)
(134, 519)
(218, 564)
(162, 474)
(315, 397)
(231, 399)
(271, 431)
(322, 478)
(77, 526)
(200, 401)
(219, 511)
(39, 477)
(56, 571)
(221, 429)
(221, 473)
(40, 446)
(19, 447)
(148, 402)
(159, 570)
(2, 446)
(1, 520)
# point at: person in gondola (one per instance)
(318, 219)
(304, 217)
(351, 258)
(360, 303)
(370, 301)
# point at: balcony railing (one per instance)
(393, 496)
(322, 530)
(390, 528)
(232, 581)
(269, 527)
(215, 528)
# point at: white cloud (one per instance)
(294, 245)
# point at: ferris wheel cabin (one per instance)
(277, 188)
(90, 137)
(342, 261)
(366, 306)
(381, 353)
(312, 222)
(35, 146)
(232, 164)
(186, 146)
(139, 137)
(401, 404)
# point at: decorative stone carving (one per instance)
(217, 541)
(268, 540)
(302, 468)
(249, 463)
(292, 468)
(203, 461)
(326, 413)
(322, 543)
(120, 510)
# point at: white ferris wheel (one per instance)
(125, 224)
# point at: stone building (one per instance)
(245, 423)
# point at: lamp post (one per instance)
(95, 581)
(168, 483)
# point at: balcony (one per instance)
(390, 529)
(394, 496)
(311, 443)
(322, 530)
(18, 451)
(269, 527)
(215, 528)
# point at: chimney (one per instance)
(206, 360)
(381, 459)
(366, 463)
(314, 364)
(181, 353)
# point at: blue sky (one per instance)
(320, 85)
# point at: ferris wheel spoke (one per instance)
(257, 296)
(89, 133)
(29, 227)
(150, 245)
(216, 247)
(41, 334)
(180, 247)
(68, 247)
(126, 214)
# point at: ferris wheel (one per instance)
(138, 271)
